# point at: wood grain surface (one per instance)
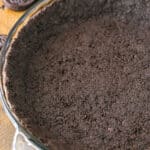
(6, 131)
(7, 20)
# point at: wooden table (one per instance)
(7, 20)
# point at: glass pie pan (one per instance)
(31, 13)
(23, 140)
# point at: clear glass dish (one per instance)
(31, 142)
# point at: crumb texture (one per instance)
(81, 80)
(90, 86)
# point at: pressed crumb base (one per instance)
(86, 86)
(90, 87)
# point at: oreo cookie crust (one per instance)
(18, 4)
(86, 84)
